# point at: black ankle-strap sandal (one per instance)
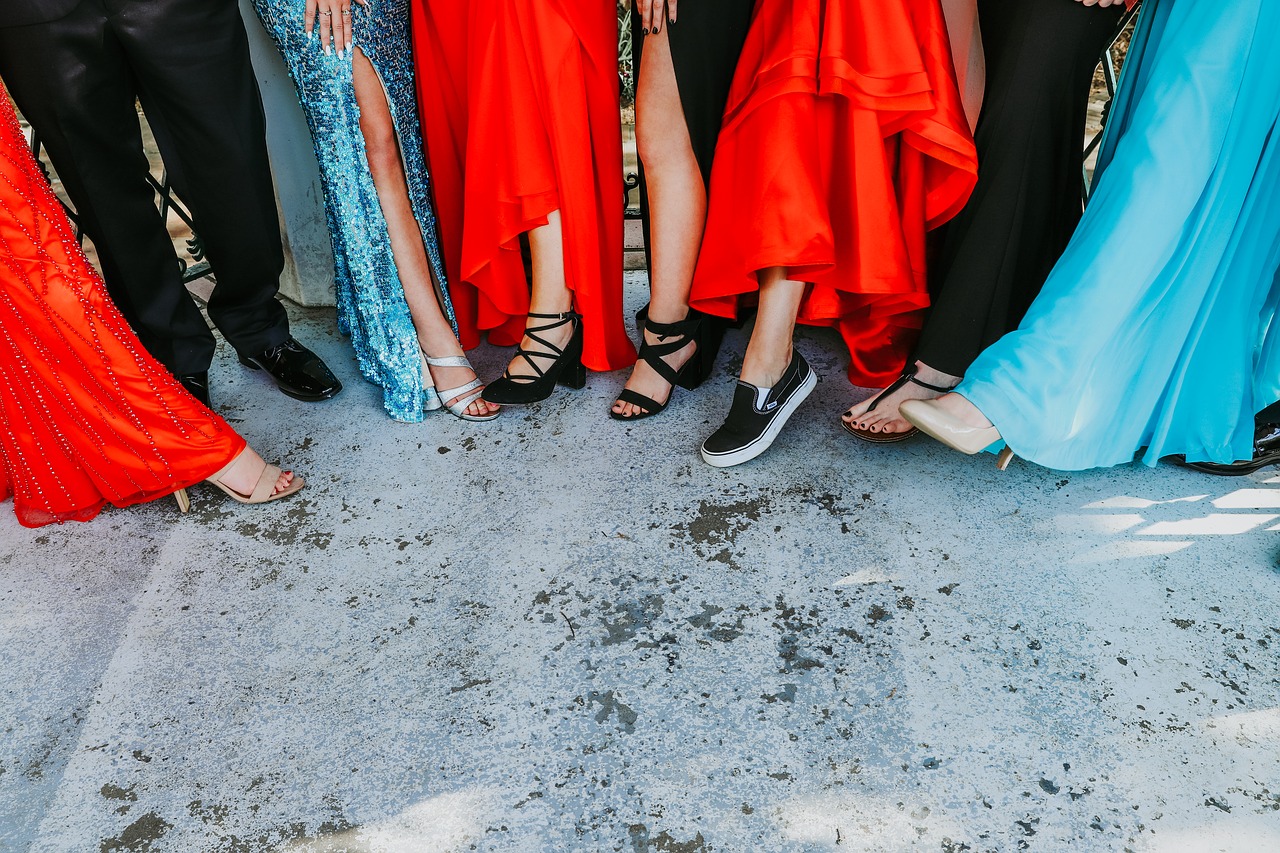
(672, 337)
(908, 375)
(565, 369)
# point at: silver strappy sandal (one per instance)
(465, 394)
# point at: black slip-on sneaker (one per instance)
(751, 427)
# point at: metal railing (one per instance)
(198, 267)
(1110, 77)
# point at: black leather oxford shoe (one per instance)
(197, 384)
(297, 371)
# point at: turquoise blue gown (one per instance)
(1155, 328)
(371, 302)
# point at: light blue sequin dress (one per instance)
(1155, 330)
(371, 303)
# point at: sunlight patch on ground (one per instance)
(1129, 551)
(1214, 524)
(440, 824)
(1126, 502)
(1250, 499)
(867, 574)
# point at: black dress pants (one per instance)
(997, 253)
(76, 80)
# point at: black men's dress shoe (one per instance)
(1266, 451)
(753, 423)
(298, 371)
(197, 384)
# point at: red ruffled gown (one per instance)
(519, 106)
(87, 417)
(845, 140)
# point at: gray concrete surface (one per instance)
(560, 633)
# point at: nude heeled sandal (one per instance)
(464, 399)
(933, 421)
(263, 492)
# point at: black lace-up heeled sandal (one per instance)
(672, 337)
(565, 368)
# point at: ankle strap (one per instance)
(683, 328)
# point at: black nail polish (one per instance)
(645, 30)
(671, 22)
(657, 28)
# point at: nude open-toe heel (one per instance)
(931, 419)
(465, 394)
(264, 491)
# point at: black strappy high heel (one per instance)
(908, 375)
(566, 365)
(703, 331)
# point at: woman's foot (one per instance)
(455, 377)
(962, 410)
(878, 414)
(548, 342)
(242, 475)
(645, 380)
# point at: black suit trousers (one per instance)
(76, 80)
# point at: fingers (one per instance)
(340, 23)
(671, 11)
(310, 18)
(348, 41)
(326, 26)
(646, 16)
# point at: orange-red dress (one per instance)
(86, 416)
(845, 140)
(519, 106)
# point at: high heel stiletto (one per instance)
(933, 420)
(566, 366)
(459, 407)
(908, 375)
(695, 328)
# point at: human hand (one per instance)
(1102, 4)
(651, 14)
(333, 19)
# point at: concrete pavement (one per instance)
(560, 633)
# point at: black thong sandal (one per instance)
(908, 375)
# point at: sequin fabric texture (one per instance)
(371, 303)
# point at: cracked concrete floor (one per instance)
(560, 633)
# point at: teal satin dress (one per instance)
(1154, 332)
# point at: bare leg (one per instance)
(550, 295)
(677, 207)
(884, 417)
(769, 351)
(435, 335)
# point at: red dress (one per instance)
(86, 416)
(844, 141)
(519, 106)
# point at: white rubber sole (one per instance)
(765, 441)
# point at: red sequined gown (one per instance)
(844, 140)
(86, 416)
